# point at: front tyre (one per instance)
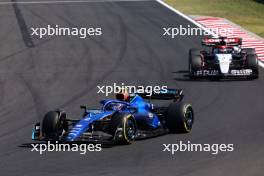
(123, 128)
(252, 63)
(53, 125)
(180, 117)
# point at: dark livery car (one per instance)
(120, 120)
(225, 58)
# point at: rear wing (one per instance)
(222, 41)
(169, 94)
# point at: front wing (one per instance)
(99, 136)
(231, 73)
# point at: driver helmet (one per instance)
(236, 49)
(123, 96)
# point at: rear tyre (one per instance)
(180, 117)
(123, 128)
(252, 63)
(195, 61)
(53, 125)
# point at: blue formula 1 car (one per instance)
(120, 120)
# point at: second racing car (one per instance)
(226, 58)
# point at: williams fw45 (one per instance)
(223, 58)
(121, 120)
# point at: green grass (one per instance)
(247, 13)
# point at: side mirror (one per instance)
(83, 107)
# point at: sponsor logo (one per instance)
(241, 72)
(207, 72)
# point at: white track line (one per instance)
(261, 64)
(195, 22)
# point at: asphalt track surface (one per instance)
(39, 75)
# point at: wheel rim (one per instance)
(188, 118)
(130, 129)
(59, 129)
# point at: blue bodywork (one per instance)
(140, 109)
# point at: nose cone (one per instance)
(224, 62)
(83, 125)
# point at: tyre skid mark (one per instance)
(23, 26)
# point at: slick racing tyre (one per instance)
(123, 128)
(53, 125)
(180, 117)
(195, 61)
(249, 50)
(252, 63)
